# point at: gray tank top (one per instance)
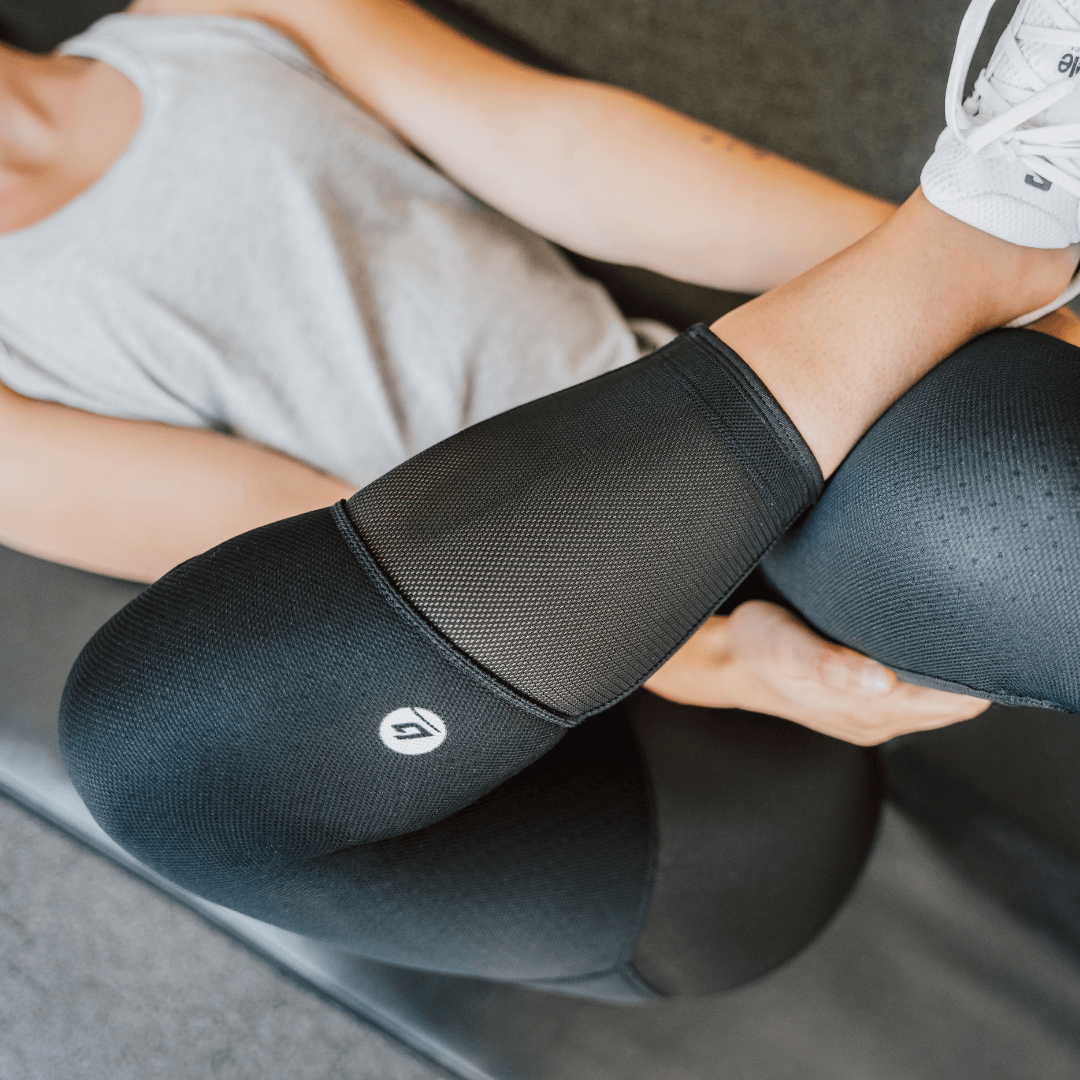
(269, 261)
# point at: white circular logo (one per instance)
(412, 731)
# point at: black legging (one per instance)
(247, 726)
(948, 545)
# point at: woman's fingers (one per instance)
(906, 709)
(852, 673)
(936, 707)
(831, 688)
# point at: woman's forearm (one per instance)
(132, 499)
(598, 169)
(618, 177)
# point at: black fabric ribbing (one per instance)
(571, 545)
(948, 543)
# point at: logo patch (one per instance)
(1037, 181)
(412, 731)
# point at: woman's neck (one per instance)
(35, 94)
(64, 121)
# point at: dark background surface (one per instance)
(851, 87)
(39, 25)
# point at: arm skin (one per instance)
(598, 169)
(132, 499)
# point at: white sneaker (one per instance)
(1009, 161)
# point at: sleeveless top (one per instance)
(269, 261)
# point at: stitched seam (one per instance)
(761, 399)
(446, 647)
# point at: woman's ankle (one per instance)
(1006, 281)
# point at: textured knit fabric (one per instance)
(283, 629)
(569, 546)
(225, 729)
(276, 726)
(268, 260)
(948, 543)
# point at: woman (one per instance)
(213, 362)
(240, 761)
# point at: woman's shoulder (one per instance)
(176, 29)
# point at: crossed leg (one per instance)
(227, 726)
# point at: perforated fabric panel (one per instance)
(571, 545)
(948, 543)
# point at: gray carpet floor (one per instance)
(104, 978)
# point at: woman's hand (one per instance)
(763, 659)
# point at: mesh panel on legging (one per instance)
(570, 545)
(228, 719)
(948, 543)
(228, 727)
(226, 731)
(192, 721)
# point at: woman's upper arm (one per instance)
(132, 498)
(415, 71)
(471, 110)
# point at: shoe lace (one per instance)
(1049, 150)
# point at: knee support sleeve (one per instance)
(948, 543)
(267, 700)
